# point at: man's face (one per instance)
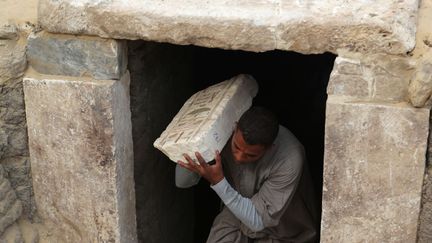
(244, 153)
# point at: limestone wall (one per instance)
(425, 222)
(376, 83)
(302, 26)
(373, 183)
(17, 21)
(420, 94)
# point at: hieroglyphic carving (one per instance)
(206, 120)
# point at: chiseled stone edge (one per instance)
(122, 155)
(260, 28)
(357, 217)
(77, 56)
(378, 77)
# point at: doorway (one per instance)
(164, 76)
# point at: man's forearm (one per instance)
(241, 207)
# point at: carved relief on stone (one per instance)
(207, 119)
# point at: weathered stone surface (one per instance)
(373, 171)
(261, 25)
(420, 88)
(12, 235)
(23, 231)
(13, 134)
(30, 232)
(372, 77)
(12, 55)
(18, 173)
(8, 31)
(207, 119)
(77, 56)
(425, 222)
(81, 154)
(10, 207)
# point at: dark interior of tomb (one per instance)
(164, 76)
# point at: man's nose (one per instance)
(239, 156)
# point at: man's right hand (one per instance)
(212, 173)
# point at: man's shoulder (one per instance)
(286, 140)
(289, 151)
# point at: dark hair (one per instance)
(258, 126)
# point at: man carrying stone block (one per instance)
(262, 178)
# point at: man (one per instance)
(262, 178)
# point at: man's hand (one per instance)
(212, 173)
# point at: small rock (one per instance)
(8, 32)
(420, 88)
(12, 235)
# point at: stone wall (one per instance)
(376, 81)
(420, 94)
(425, 222)
(376, 144)
(17, 21)
(161, 81)
(301, 26)
(80, 137)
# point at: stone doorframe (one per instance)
(77, 105)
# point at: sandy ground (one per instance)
(18, 11)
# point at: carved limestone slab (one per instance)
(207, 119)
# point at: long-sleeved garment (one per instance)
(279, 187)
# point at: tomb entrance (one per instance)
(99, 90)
(290, 84)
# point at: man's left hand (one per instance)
(212, 173)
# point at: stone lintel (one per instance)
(261, 25)
(373, 77)
(81, 157)
(373, 171)
(77, 56)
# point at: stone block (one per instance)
(10, 207)
(12, 234)
(207, 119)
(357, 26)
(420, 88)
(373, 171)
(18, 173)
(262, 25)
(12, 61)
(425, 220)
(8, 31)
(81, 157)
(372, 77)
(13, 133)
(77, 56)
(30, 231)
